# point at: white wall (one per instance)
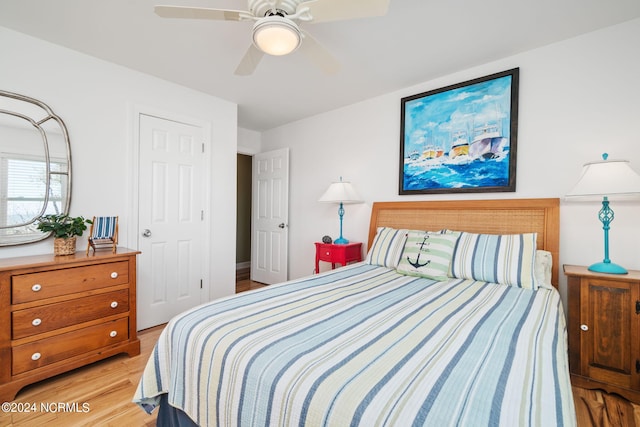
(249, 141)
(97, 101)
(578, 99)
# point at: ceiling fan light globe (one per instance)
(276, 35)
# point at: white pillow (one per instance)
(542, 269)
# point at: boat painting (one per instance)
(459, 145)
(461, 138)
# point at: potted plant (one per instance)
(64, 229)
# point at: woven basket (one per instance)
(63, 246)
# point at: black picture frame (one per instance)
(461, 138)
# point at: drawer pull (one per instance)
(584, 327)
(36, 322)
(113, 334)
(114, 275)
(36, 287)
(327, 253)
(36, 356)
(114, 304)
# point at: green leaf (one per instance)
(63, 225)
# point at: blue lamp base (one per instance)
(341, 240)
(607, 267)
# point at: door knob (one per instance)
(146, 233)
(281, 225)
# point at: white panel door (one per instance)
(270, 213)
(171, 203)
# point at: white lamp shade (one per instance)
(340, 192)
(607, 178)
(276, 35)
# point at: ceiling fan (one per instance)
(276, 32)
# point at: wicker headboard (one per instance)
(508, 216)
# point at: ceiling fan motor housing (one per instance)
(263, 7)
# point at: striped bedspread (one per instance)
(366, 346)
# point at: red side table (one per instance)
(337, 254)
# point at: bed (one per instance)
(452, 319)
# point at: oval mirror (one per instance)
(35, 167)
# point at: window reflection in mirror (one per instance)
(34, 167)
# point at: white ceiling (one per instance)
(417, 40)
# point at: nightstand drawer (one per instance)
(49, 317)
(326, 252)
(47, 284)
(64, 346)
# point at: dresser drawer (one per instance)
(50, 350)
(48, 317)
(47, 284)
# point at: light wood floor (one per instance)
(108, 386)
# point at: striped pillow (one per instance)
(387, 247)
(508, 259)
(427, 255)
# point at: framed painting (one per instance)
(461, 138)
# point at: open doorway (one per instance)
(243, 223)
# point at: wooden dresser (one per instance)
(58, 313)
(604, 330)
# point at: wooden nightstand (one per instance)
(604, 330)
(337, 254)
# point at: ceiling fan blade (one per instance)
(249, 62)
(199, 13)
(318, 55)
(337, 10)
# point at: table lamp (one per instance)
(606, 178)
(341, 192)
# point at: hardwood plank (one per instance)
(596, 408)
(248, 285)
(106, 387)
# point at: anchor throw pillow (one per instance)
(427, 255)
